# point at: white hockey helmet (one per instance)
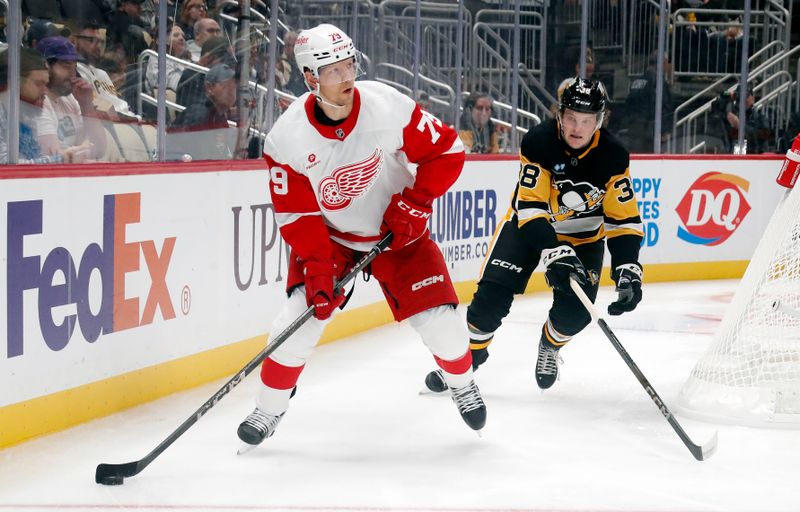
(322, 45)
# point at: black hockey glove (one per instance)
(629, 287)
(561, 263)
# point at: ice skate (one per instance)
(547, 364)
(434, 383)
(255, 428)
(470, 405)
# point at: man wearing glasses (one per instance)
(90, 42)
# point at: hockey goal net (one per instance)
(751, 373)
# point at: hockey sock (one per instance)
(552, 336)
(479, 342)
(458, 372)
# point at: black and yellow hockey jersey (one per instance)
(583, 195)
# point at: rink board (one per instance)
(126, 283)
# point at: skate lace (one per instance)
(263, 422)
(548, 361)
(467, 398)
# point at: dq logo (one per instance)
(713, 208)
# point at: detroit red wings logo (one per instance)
(346, 183)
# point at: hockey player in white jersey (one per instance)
(340, 180)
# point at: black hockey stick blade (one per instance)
(697, 451)
(114, 474)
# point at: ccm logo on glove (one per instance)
(406, 221)
(411, 211)
(560, 264)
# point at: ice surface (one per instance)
(359, 437)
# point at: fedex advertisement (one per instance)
(104, 264)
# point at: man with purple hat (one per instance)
(70, 123)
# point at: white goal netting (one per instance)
(751, 373)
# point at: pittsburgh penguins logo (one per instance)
(576, 198)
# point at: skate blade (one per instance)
(244, 448)
(480, 433)
(426, 392)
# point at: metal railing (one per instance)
(491, 69)
(439, 94)
(778, 100)
(709, 93)
(712, 47)
(439, 24)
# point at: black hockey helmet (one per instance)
(584, 95)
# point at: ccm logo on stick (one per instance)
(427, 282)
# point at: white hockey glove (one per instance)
(628, 278)
(561, 263)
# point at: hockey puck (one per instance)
(112, 480)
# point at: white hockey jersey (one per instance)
(338, 180)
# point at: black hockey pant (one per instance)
(506, 272)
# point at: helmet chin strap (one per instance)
(322, 99)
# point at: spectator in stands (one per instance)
(33, 88)
(98, 11)
(33, 9)
(38, 30)
(291, 78)
(148, 12)
(114, 65)
(204, 29)
(757, 130)
(477, 131)
(192, 11)
(126, 16)
(68, 121)
(220, 89)
(177, 48)
(639, 110)
(89, 41)
(191, 86)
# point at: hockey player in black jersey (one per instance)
(573, 196)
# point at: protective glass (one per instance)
(339, 72)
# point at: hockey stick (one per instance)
(699, 452)
(114, 474)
